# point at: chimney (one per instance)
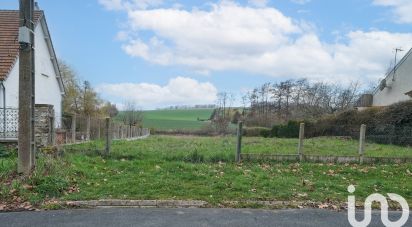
(36, 6)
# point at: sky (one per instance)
(159, 53)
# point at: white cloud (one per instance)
(401, 8)
(230, 36)
(178, 91)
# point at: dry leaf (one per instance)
(323, 206)
(302, 194)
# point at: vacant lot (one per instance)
(191, 119)
(164, 167)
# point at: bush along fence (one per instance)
(300, 155)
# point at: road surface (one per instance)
(183, 217)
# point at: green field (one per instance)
(176, 119)
(203, 168)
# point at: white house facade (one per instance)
(49, 87)
(397, 86)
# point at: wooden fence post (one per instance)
(108, 136)
(301, 139)
(74, 128)
(362, 143)
(239, 142)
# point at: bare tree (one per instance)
(298, 99)
(132, 115)
(221, 118)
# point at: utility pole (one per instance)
(394, 68)
(26, 144)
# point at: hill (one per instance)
(189, 119)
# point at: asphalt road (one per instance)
(183, 217)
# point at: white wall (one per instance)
(47, 86)
(12, 87)
(395, 92)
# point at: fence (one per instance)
(79, 129)
(8, 123)
(354, 146)
(65, 130)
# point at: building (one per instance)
(395, 87)
(49, 89)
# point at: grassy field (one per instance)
(176, 119)
(166, 167)
(322, 146)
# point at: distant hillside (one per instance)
(189, 119)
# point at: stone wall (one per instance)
(44, 130)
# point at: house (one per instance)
(395, 87)
(49, 89)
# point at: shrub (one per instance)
(290, 130)
(256, 132)
(387, 125)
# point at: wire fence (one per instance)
(388, 140)
(339, 144)
(80, 128)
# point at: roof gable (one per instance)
(406, 56)
(9, 45)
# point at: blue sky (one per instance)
(169, 52)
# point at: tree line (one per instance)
(297, 99)
(280, 102)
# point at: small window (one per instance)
(45, 75)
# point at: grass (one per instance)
(176, 119)
(322, 146)
(166, 167)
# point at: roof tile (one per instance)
(9, 45)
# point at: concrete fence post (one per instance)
(301, 139)
(74, 128)
(131, 131)
(98, 129)
(108, 136)
(52, 135)
(239, 142)
(114, 130)
(362, 142)
(88, 119)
